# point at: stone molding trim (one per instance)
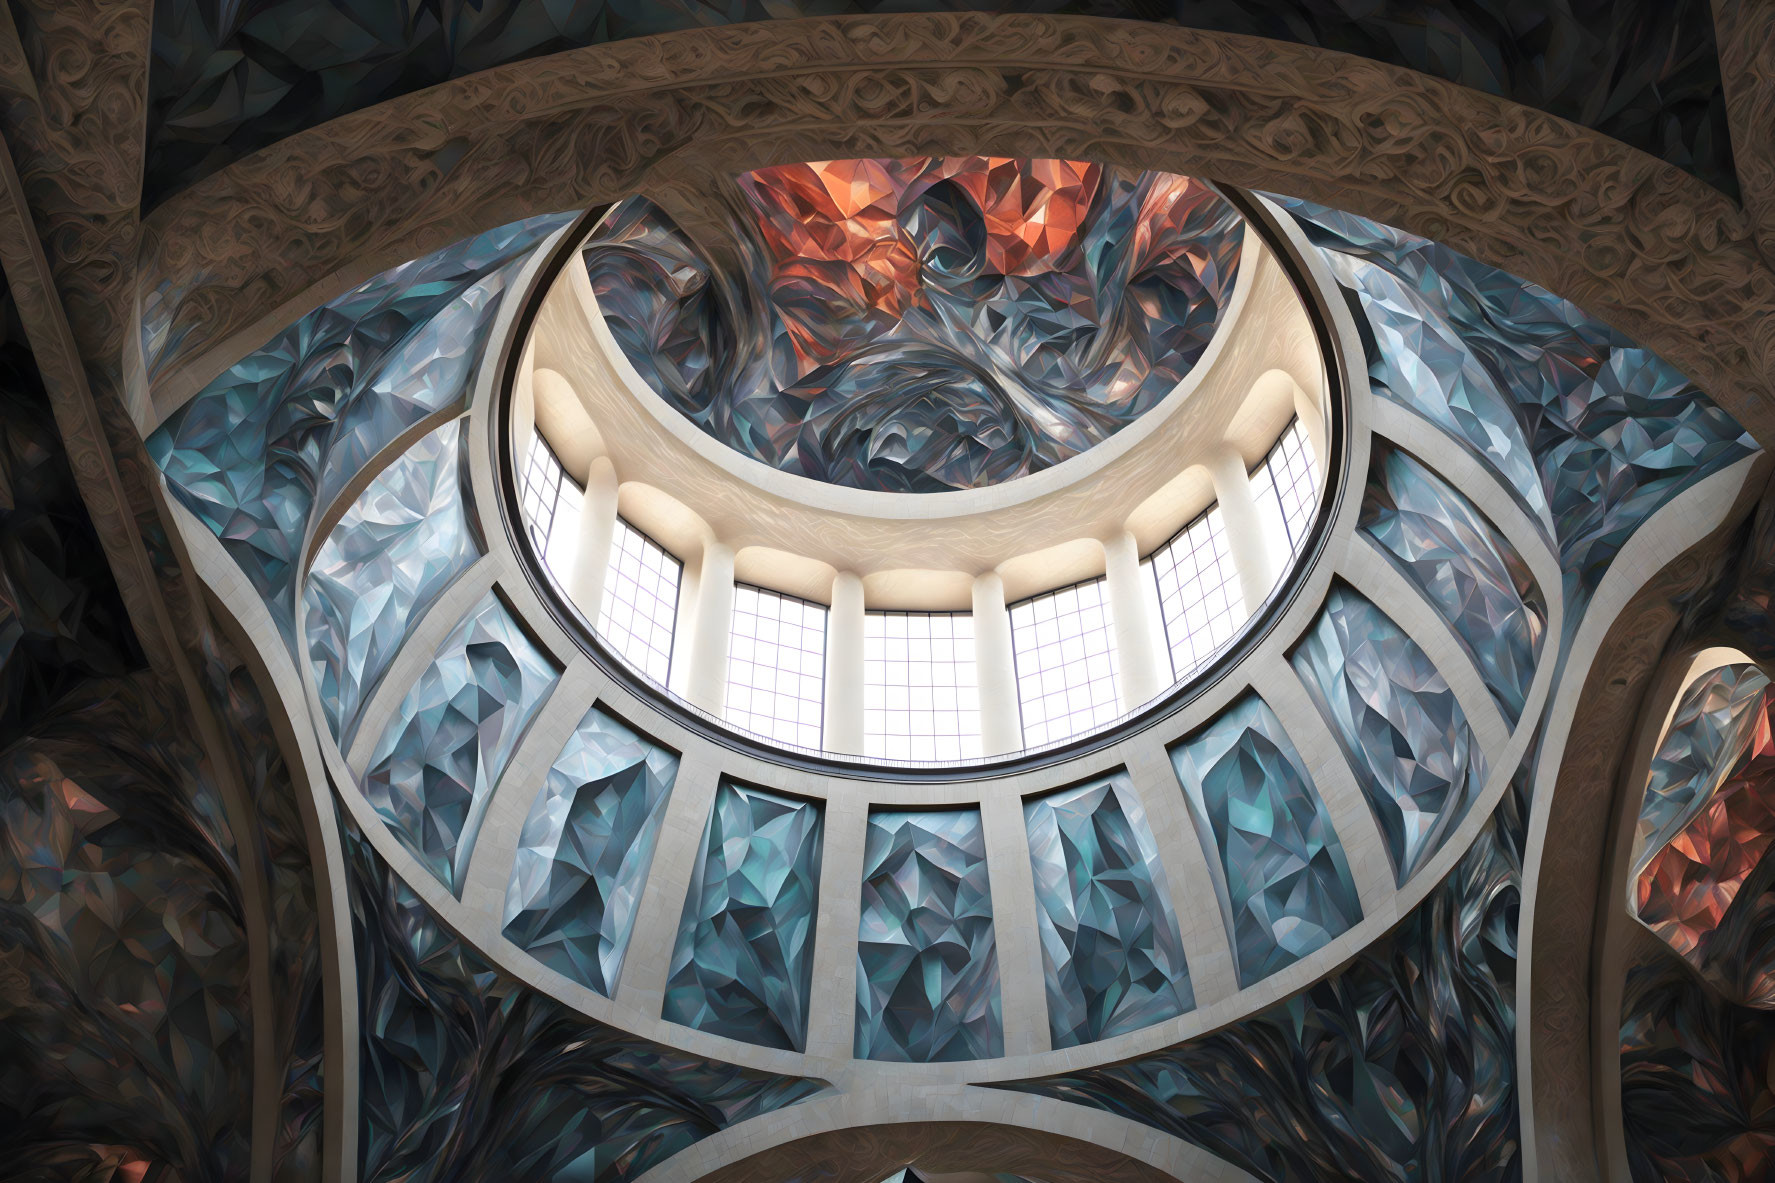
(972, 1149)
(1636, 242)
(1569, 879)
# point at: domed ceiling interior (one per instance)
(923, 324)
(326, 854)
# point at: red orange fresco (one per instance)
(1686, 888)
(835, 224)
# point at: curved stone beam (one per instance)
(871, 1153)
(1566, 865)
(1746, 34)
(1639, 243)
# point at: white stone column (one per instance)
(597, 530)
(844, 666)
(1001, 723)
(1139, 653)
(705, 680)
(1245, 530)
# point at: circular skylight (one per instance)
(919, 325)
(928, 325)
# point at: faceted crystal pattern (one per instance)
(1465, 568)
(1591, 431)
(1285, 887)
(585, 849)
(1405, 736)
(744, 961)
(265, 446)
(1110, 950)
(923, 324)
(393, 553)
(469, 1074)
(927, 964)
(436, 764)
(1400, 1066)
(1726, 822)
(126, 1019)
(1697, 1080)
(1712, 725)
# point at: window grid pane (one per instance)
(1066, 663)
(640, 605)
(1200, 599)
(1289, 478)
(776, 666)
(541, 492)
(921, 696)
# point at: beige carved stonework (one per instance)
(1745, 30)
(73, 108)
(1634, 241)
(939, 1148)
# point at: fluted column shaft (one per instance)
(705, 681)
(1139, 654)
(1246, 534)
(597, 531)
(844, 666)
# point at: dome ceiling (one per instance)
(924, 324)
(223, 961)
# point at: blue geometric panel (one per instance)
(467, 1074)
(265, 446)
(1593, 432)
(1398, 723)
(1401, 1066)
(1709, 731)
(443, 751)
(585, 849)
(1287, 889)
(744, 961)
(922, 324)
(927, 964)
(1465, 568)
(392, 554)
(1111, 954)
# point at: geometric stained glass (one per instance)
(402, 542)
(1397, 722)
(744, 959)
(1468, 571)
(1399, 1066)
(1592, 432)
(585, 849)
(922, 324)
(436, 764)
(470, 1074)
(927, 963)
(263, 448)
(1709, 811)
(1112, 957)
(1713, 723)
(1286, 887)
